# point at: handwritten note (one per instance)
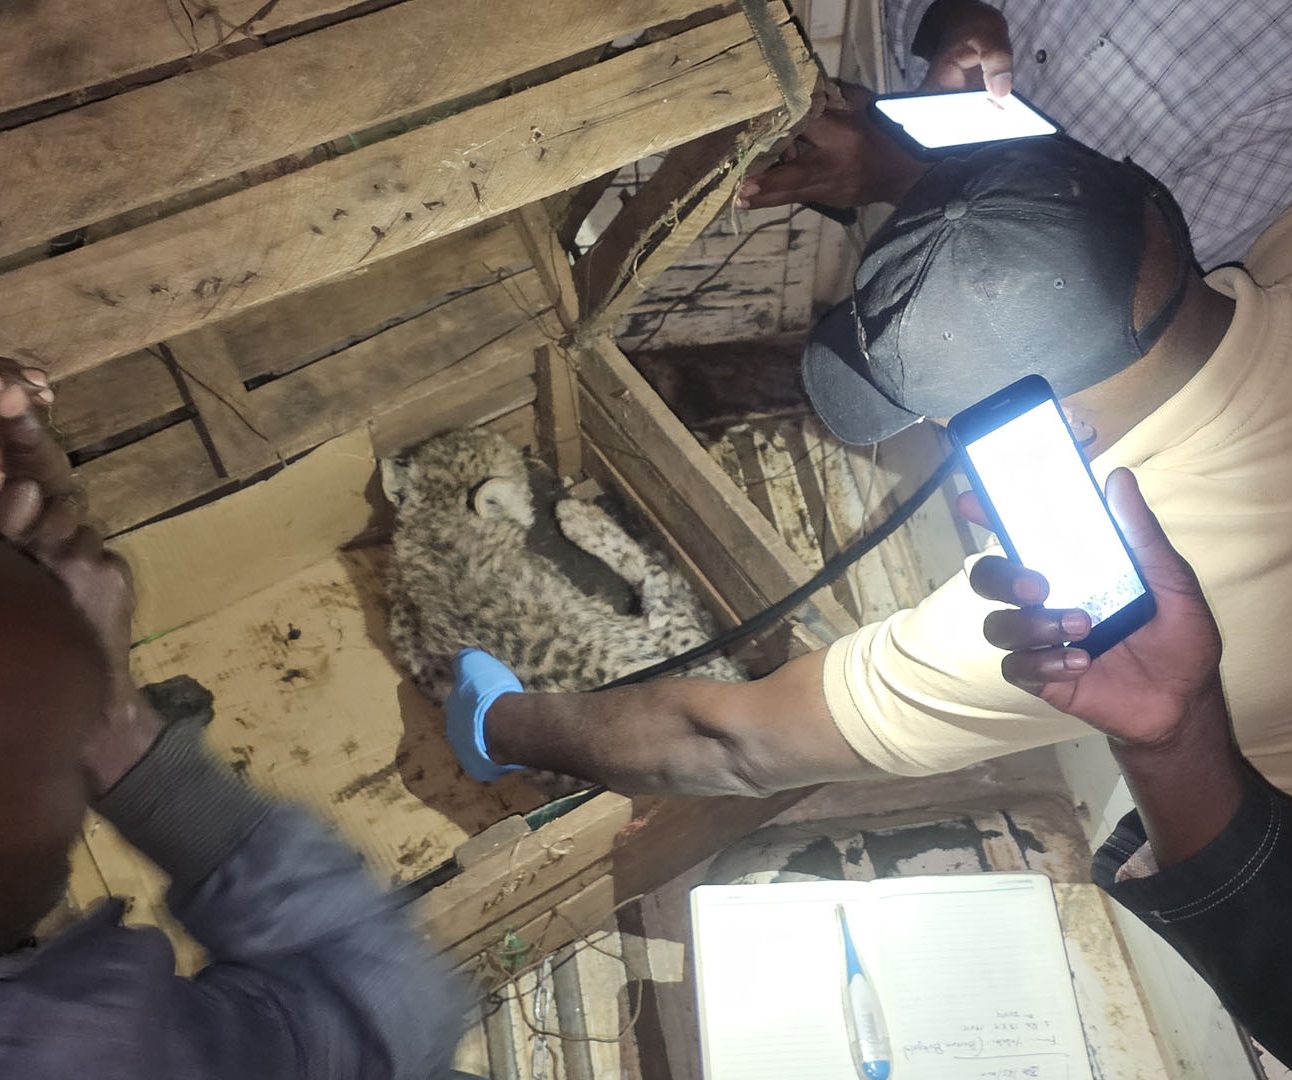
(970, 970)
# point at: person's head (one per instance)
(1032, 257)
(51, 692)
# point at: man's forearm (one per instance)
(652, 737)
(1187, 788)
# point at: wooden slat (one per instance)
(341, 391)
(110, 400)
(639, 843)
(558, 411)
(53, 47)
(475, 396)
(278, 238)
(692, 185)
(251, 429)
(187, 131)
(147, 478)
(645, 431)
(280, 336)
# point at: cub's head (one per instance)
(472, 472)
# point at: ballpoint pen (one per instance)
(867, 1036)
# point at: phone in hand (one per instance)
(1048, 511)
(939, 125)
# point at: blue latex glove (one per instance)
(478, 681)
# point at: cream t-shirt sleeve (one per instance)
(922, 692)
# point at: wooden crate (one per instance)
(258, 246)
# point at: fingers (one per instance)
(780, 185)
(30, 449)
(1033, 670)
(20, 505)
(997, 62)
(994, 578)
(969, 507)
(1034, 627)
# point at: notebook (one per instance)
(970, 971)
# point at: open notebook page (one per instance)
(971, 971)
(769, 967)
(974, 979)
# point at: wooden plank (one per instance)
(416, 358)
(191, 565)
(282, 335)
(283, 236)
(54, 47)
(558, 411)
(692, 185)
(639, 844)
(464, 403)
(516, 426)
(654, 434)
(550, 258)
(147, 478)
(184, 132)
(122, 394)
(252, 429)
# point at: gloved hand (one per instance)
(478, 681)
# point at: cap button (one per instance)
(955, 210)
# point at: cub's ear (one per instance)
(501, 498)
(395, 479)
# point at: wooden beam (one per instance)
(123, 394)
(184, 132)
(734, 543)
(486, 335)
(550, 258)
(140, 481)
(283, 236)
(295, 330)
(690, 188)
(559, 440)
(55, 47)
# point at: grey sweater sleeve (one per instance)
(314, 973)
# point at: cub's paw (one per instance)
(587, 526)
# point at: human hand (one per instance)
(101, 586)
(478, 681)
(38, 500)
(1140, 690)
(972, 50)
(841, 158)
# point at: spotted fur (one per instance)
(463, 576)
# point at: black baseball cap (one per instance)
(1019, 259)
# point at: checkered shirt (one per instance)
(1198, 92)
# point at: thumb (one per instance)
(1163, 566)
(997, 67)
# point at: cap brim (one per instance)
(847, 403)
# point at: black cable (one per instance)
(833, 567)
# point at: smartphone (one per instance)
(936, 125)
(1047, 509)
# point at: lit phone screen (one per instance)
(1053, 515)
(938, 120)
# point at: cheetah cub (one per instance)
(461, 575)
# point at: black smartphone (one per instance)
(1047, 509)
(940, 125)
